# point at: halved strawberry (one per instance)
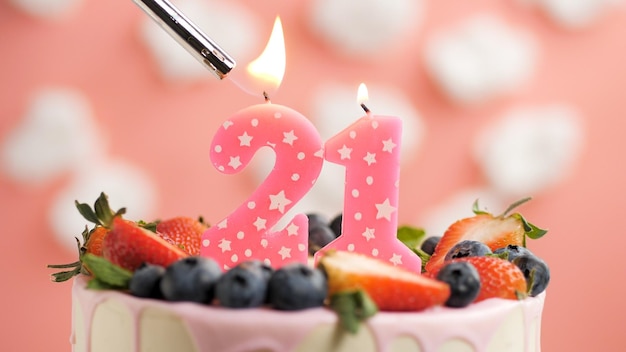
(186, 232)
(93, 244)
(494, 231)
(101, 215)
(129, 245)
(391, 288)
(499, 278)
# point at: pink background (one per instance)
(166, 129)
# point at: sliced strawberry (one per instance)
(129, 246)
(96, 238)
(101, 215)
(391, 288)
(494, 231)
(499, 278)
(184, 231)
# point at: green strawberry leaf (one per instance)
(515, 205)
(352, 307)
(86, 211)
(531, 230)
(425, 257)
(150, 226)
(503, 255)
(476, 209)
(411, 236)
(107, 272)
(97, 284)
(64, 275)
(103, 210)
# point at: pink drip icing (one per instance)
(435, 326)
(532, 313)
(229, 330)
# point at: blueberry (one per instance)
(316, 219)
(146, 280)
(430, 244)
(297, 286)
(464, 282)
(335, 224)
(467, 248)
(535, 271)
(244, 286)
(191, 279)
(511, 252)
(319, 236)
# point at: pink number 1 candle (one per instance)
(370, 151)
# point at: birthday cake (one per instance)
(144, 287)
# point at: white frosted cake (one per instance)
(144, 288)
(115, 321)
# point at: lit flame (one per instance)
(362, 96)
(269, 68)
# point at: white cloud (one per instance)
(125, 184)
(47, 9)
(57, 134)
(530, 148)
(364, 29)
(574, 13)
(480, 58)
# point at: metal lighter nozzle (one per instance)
(187, 34)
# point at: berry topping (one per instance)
(335, 224)
(191, 279)
(316, 219)
(498, 278)
(184, 231)
(244, 286)
(102, 216)
(319, 236)
(146, 281)
(129, 246)
(464, 283)
(535, 271)
(429, 244)
(511, 252)
(494, 231)
(352, 307)
(467, 248)
(297, 286)
(391, 288)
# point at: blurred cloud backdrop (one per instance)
(500, 100)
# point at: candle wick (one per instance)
(365, 108)
(266, 97)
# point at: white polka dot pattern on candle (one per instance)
(369, 150)
(246, 233)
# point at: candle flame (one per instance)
(362, 96)
(269, 68)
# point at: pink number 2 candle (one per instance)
(370, 151)
(246, 233)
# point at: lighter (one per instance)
(187, 34)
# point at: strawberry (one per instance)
(129, 245)
(499, 278)
(101, 215)
(494, 231)
(391, 288)
(184, 231)
(94, 243)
